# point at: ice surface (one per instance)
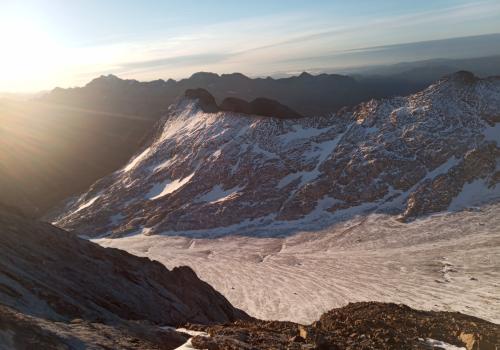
(449, 261)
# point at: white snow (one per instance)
(290, 178)
(192, 333)
(300, 132)
(217, 194)
(86, 204)
(168, 186)
(322, 151)
(188, 345)
(442, 169)
(134, 162)
(474, 193)
(493, 133)
(442, 345)
(392, 261)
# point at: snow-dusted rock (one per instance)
(225, 172)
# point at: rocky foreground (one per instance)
(368, 325)
(61, 292)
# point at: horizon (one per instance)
(54, 46)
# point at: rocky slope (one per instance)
(60, 289)
(358, 326)
(207, 173)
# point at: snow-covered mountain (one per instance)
(218, 172)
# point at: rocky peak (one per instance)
(106, 80)
(258, 107)
(463, 77)
(204, 99)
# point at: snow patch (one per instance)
(132, 164)
(442, 345)
(290, 178)
(87, 204)
(442, 169)
(217, 194)
(492, 133)
(192, 333)
(168, 186)
(299, 132)
(476, 192)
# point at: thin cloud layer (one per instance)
(292, 40)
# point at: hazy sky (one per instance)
(47, 43)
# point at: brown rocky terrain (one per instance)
(60, 292)
(366, 325)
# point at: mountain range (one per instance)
(79, 135)
(207, 171)
(287, 201)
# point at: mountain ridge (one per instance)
(412, 155)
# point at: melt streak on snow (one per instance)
(449, 261)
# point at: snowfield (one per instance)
(448, 261)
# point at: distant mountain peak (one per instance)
(109, 79)
(204, 76)
(205, 100)
(462, 77)
(260, 106)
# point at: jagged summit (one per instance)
(221, 173)
(462, 77)
(305, 75)
(205, 100)
(106, 79)
(204, 76)
(258, 107)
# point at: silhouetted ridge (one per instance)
(205, 99)
(462, 77)
(272, 108)
(260, 106)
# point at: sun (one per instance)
(28, 55)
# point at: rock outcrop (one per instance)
(260, 106)
(367, 325)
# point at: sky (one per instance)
(48, 43)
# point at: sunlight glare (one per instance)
(28, 55)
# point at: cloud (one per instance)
(185, 60)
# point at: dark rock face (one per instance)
(408, 156)
(205, 100)
(20, 331)
(260, 106)
(53, 276)
(237, 105)
(368, 325)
